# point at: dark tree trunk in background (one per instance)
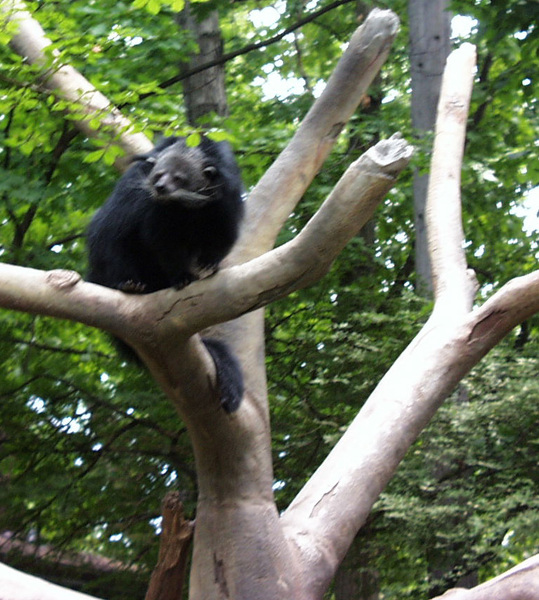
(356, 578)
(204, 92)
(430, 33)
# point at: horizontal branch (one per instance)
(15, 585)
(62, 294)
(231, 292)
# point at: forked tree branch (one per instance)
(323, 519)
(306, 258)
(231, 292)
(285, 182)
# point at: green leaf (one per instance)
(94, 156)
(193, 139)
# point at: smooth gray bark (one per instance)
(430, 30)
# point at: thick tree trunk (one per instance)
(430, 31)
(240, 547)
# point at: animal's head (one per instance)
(193, 176)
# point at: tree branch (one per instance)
(159, 320)
(307, 257)
(168, 577)
(519, 583)
(19, 586)
(454, 285)
(323, 519)
(87, 103)
(512, 304)
(326, 515)
(285, 182)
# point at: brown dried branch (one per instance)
(168, 576)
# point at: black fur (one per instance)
(228, 372)
(148, 236)
(171, 219)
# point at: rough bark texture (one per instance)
(168, 576)
(204, 93)
(430, 29)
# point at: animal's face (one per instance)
(184, 175)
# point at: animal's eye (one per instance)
(180, 180)
(155, 176)
(210, 173)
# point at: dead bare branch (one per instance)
(454, 285)
(285, 182)
(168, 576)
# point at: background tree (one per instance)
(430, 33)
(304, 428)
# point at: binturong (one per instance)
(170, 220)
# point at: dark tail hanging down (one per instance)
(229, 376)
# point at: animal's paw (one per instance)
(132, 287)
(206, 271)
(183, 281)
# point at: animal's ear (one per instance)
(147, 158)
(210, 173)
